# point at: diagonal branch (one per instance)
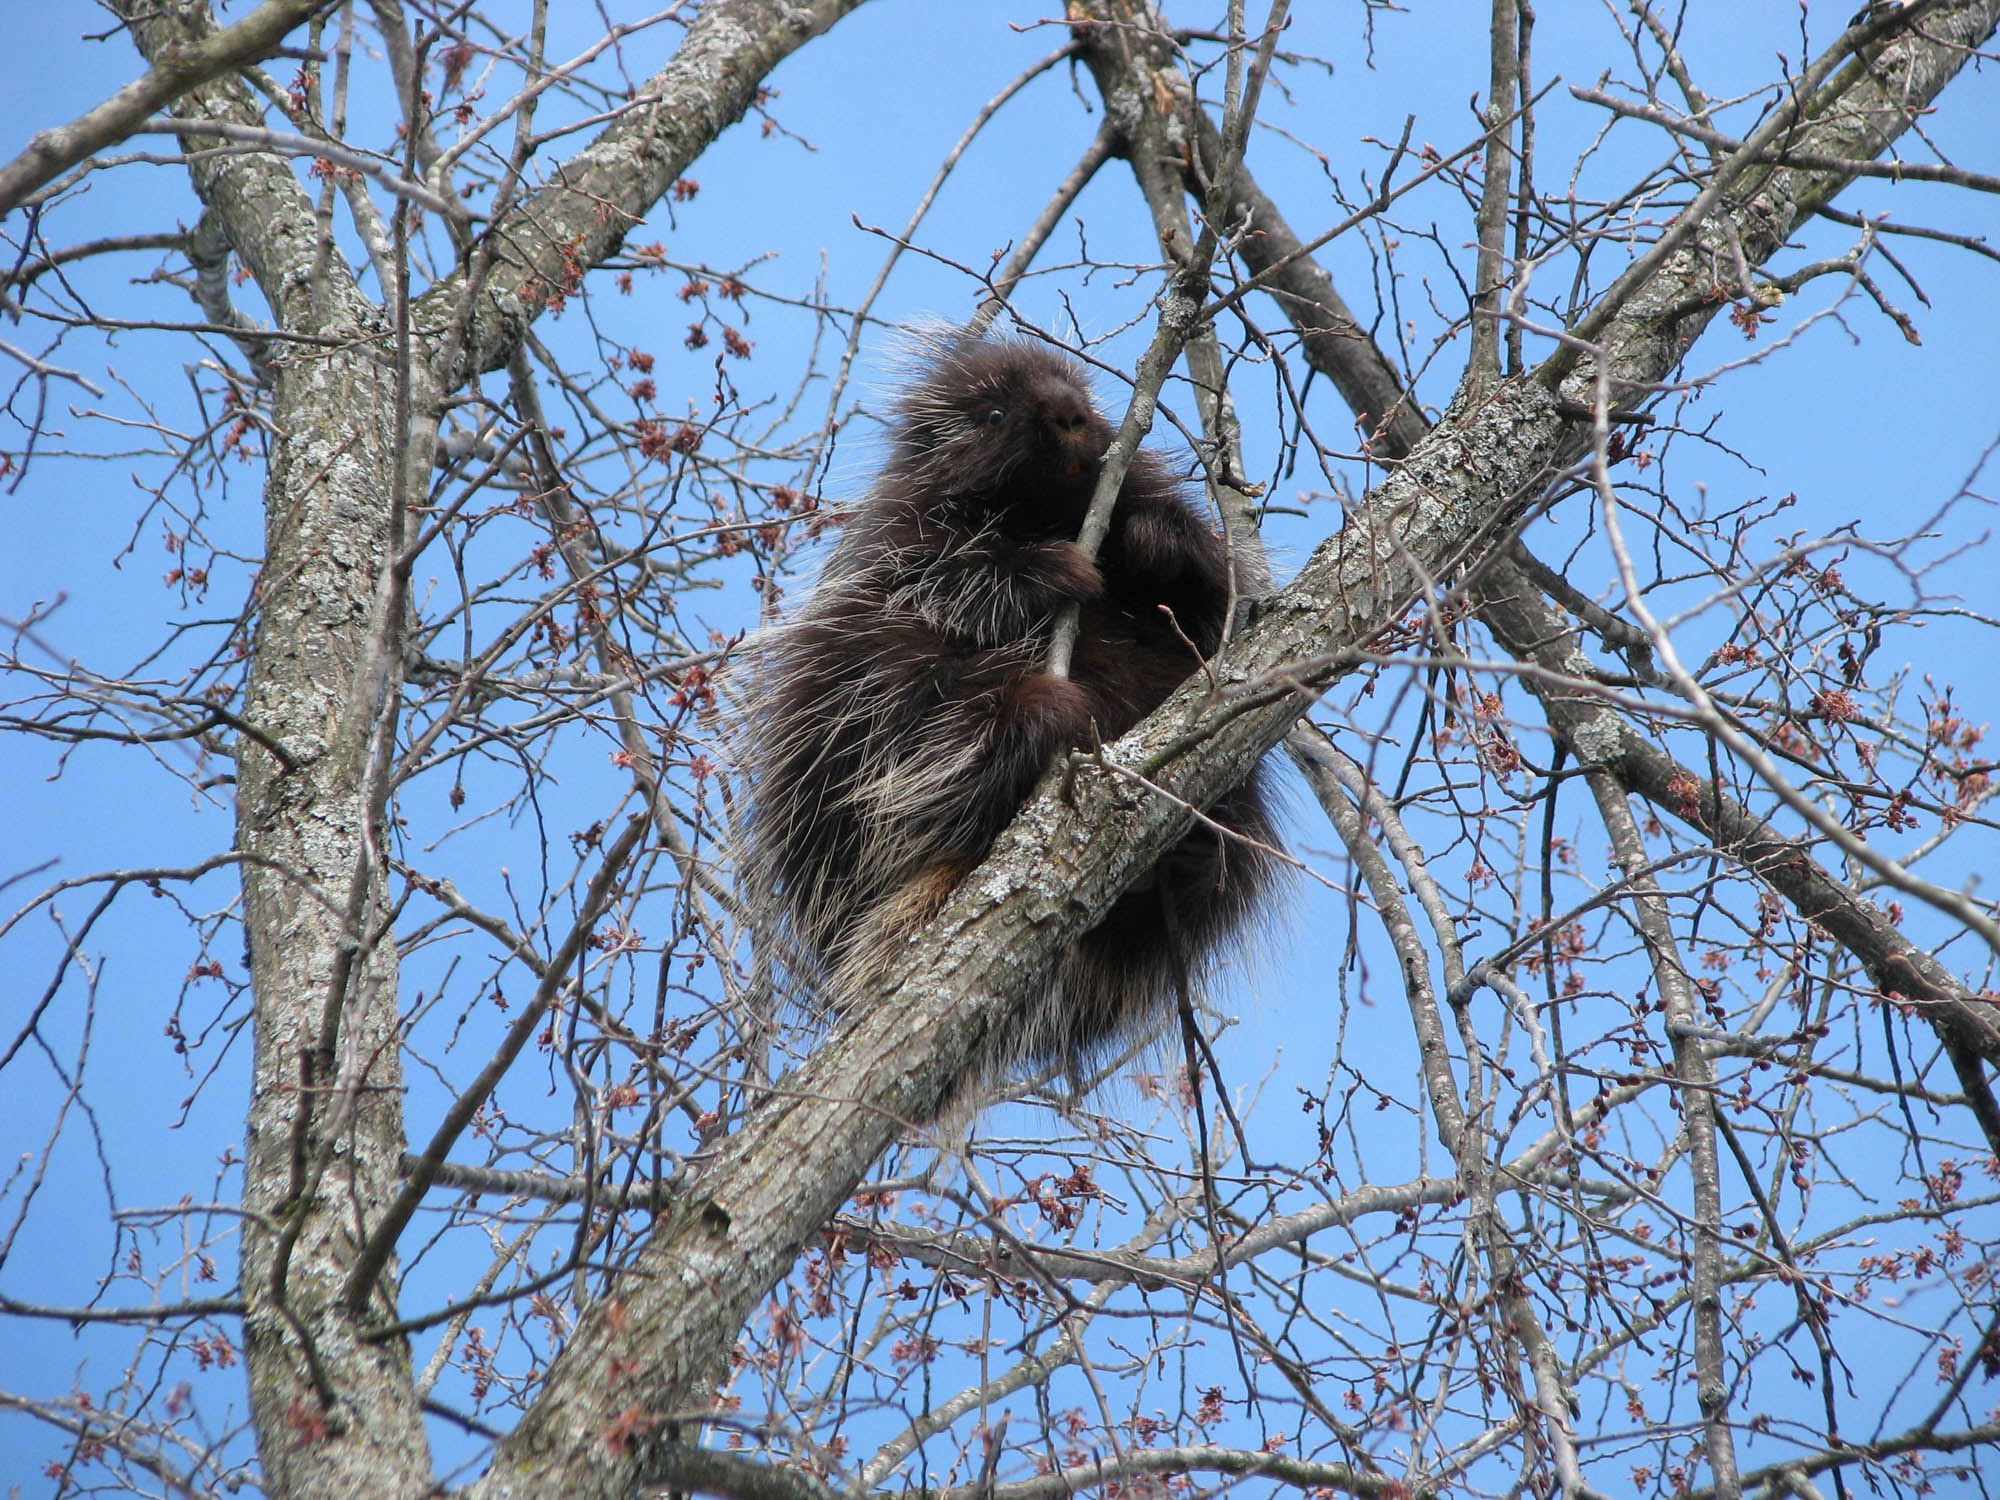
(1054, 872)
(1511, 607)
(599, 195)
(1596, 734)
(177, 68)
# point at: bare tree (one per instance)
(1637, 1134)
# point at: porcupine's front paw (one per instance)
(1161, 545)
(1059, 708)
(1065, 570)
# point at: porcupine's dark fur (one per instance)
(902, 716)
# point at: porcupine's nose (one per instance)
(1073, 439)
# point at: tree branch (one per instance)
(601, 193)
(1052, 873)
(176, 69)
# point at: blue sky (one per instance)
(1864, 427)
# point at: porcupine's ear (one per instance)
(924, 356)
(927, 362)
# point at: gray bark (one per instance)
(1054, 872)
(1589, 729)
(334, 1403)
(336, 1411)
(179, 63)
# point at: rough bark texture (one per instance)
(1590, 730)
(598, 196)
(179, 64)
(336, 1413)
(335, 1404)
(325, 1130)
(775, 1182)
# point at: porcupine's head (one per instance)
(1002, 426)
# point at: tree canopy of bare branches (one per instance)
(405, 1096)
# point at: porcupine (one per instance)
(900, 718)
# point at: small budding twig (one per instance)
(1180, 316)
(1176, 323)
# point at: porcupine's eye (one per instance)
(995, 417)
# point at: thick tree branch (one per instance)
(177, 67)
(598, 196)
(1050, 875)
(1595, 734)
(325, 1137)
(1591, 730)
(324, 1132)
